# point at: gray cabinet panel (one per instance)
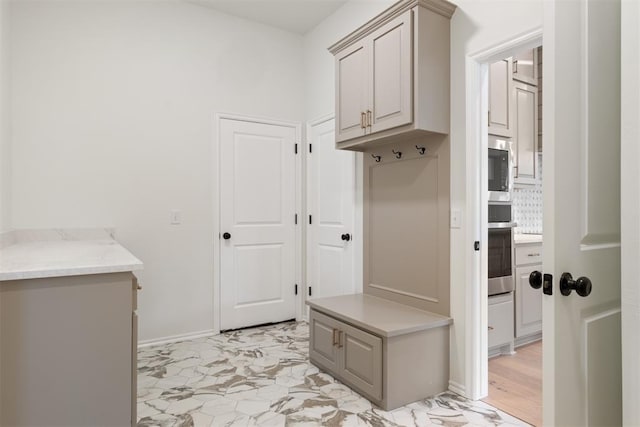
(361, 355)
(323, 338)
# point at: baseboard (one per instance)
(175, 338)
(457, 388)
(528, 339)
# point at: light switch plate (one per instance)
(176, 217)
(456, 218)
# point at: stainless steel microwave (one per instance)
(499, 171)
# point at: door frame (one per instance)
(358, 221)
(215, 152)
(477, 96)
(630, 209)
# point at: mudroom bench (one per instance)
(391, 353)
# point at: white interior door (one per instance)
(257, 227)
(582, 345)
(331, 201)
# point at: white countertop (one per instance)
(527, 238)
(34, 259)
(380, 316)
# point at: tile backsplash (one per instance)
(527, 206)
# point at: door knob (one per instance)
(582, 286)
(346, 237)
(535, 279)
(226, 236)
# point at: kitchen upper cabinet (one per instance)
(500, 98)
(392, 76)
(525, 141)
(525, 68)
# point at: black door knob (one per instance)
(582, 286)
(535, 279)
(346, 237)
(226, 236)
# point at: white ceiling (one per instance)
(297, 16)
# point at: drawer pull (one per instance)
(491, 328)
(138, 287)
(339, 339)
(531, 255)
(335, 337)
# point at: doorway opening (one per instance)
(514, 258)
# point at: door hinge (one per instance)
(476, 245)
(296, 289)
(296, 148)
(310, 220)
(296, 219)
(310, 148)
(309, 290)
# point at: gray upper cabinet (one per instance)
(500, 99)
(525, 66)
(525, 141)
(392, 75)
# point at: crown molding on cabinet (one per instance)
(441, 7)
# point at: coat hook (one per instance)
(421, 150)
(376, 158)
(397, 153)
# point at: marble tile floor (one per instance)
(262, 377)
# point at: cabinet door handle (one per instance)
(363, 120)
(531, 255)
(339, 339)
(491, 328)
(335, 336)
(368, 118)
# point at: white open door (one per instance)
(331, 201)
(257, 223)
(582, 346)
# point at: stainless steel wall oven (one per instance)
(500, 248)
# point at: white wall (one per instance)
(113, 107)
(5, 134)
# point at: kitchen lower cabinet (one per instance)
(528, 307)
(500, 316)
(390, 353)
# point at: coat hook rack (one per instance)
(397, 153)
(376, 158)
(421, 150)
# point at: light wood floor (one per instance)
(515, 383)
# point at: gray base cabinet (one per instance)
(390, 353)
(528, 307)
(68, 351)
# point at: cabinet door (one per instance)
(500, 320)
(391, 71)
(323, 340)
(500, 98)
(526, 133)
(528, 303)
(361, 360)
(525, 66)
(352, 83)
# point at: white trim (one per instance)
(176, 338)
(630, 209)
(216, 206)
(476, 339)
(457, 388)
